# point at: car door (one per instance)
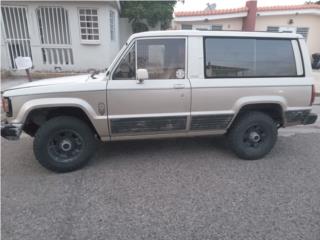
(159, 104)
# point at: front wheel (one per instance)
(64, 144)
(253, 135)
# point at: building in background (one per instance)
(302, 19)
(63, 35)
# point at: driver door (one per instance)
(159, 104)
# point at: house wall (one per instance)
(227, 24)
(262, 22)
(125, 30)
(310, 21)
(3, 49)
(86, 56)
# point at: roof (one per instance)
(245, 9)
(174, 33)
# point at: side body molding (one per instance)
(98, 121)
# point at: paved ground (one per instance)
(167, 189)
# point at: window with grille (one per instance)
(216, 27)
(112, 26)
(16, 32)
(272, 29)
(186, 26)
(303, 31)
(55, 36)
(89, 25)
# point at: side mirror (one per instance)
(142, 74)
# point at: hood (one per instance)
(53, 81)
(59, 85)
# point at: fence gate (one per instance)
(55, 35)
(15, 25)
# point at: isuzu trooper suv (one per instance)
(245, 85)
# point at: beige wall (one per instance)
(310, 21)
(227, 24)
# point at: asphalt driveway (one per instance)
(167, 189)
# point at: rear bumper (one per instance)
(297, 117)
(311, 118)
(11, 131)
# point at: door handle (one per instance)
(178, 86)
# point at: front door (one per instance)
(159, 104)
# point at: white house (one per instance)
(303, 19)
(62, 35)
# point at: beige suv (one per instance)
(170, 84)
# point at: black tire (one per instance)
(253, 135)
(64, 144)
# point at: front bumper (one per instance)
(11, 131)
(311, 118)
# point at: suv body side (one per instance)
(188, 106)
(214, 103)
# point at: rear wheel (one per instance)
(253, 135)
(64, 144)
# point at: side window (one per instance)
(89, 25)
(126, 70)
(227, 57)
(275, 58)
(162, 58)
(249, 57)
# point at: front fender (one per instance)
(98, 121)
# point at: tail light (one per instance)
(313, 95)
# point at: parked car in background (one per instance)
(170, 84)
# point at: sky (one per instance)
(194, 5)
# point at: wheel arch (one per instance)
(273, 106)
(35, 112)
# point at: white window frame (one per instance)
(112, 25)
(189, 26)
(89, 41)
(220, 26)
(298, 57)
(307, 30)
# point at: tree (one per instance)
(144, 13)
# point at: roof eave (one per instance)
(289, 12)
(209, 17)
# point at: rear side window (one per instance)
(249, 57)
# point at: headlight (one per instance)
(6, 105)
